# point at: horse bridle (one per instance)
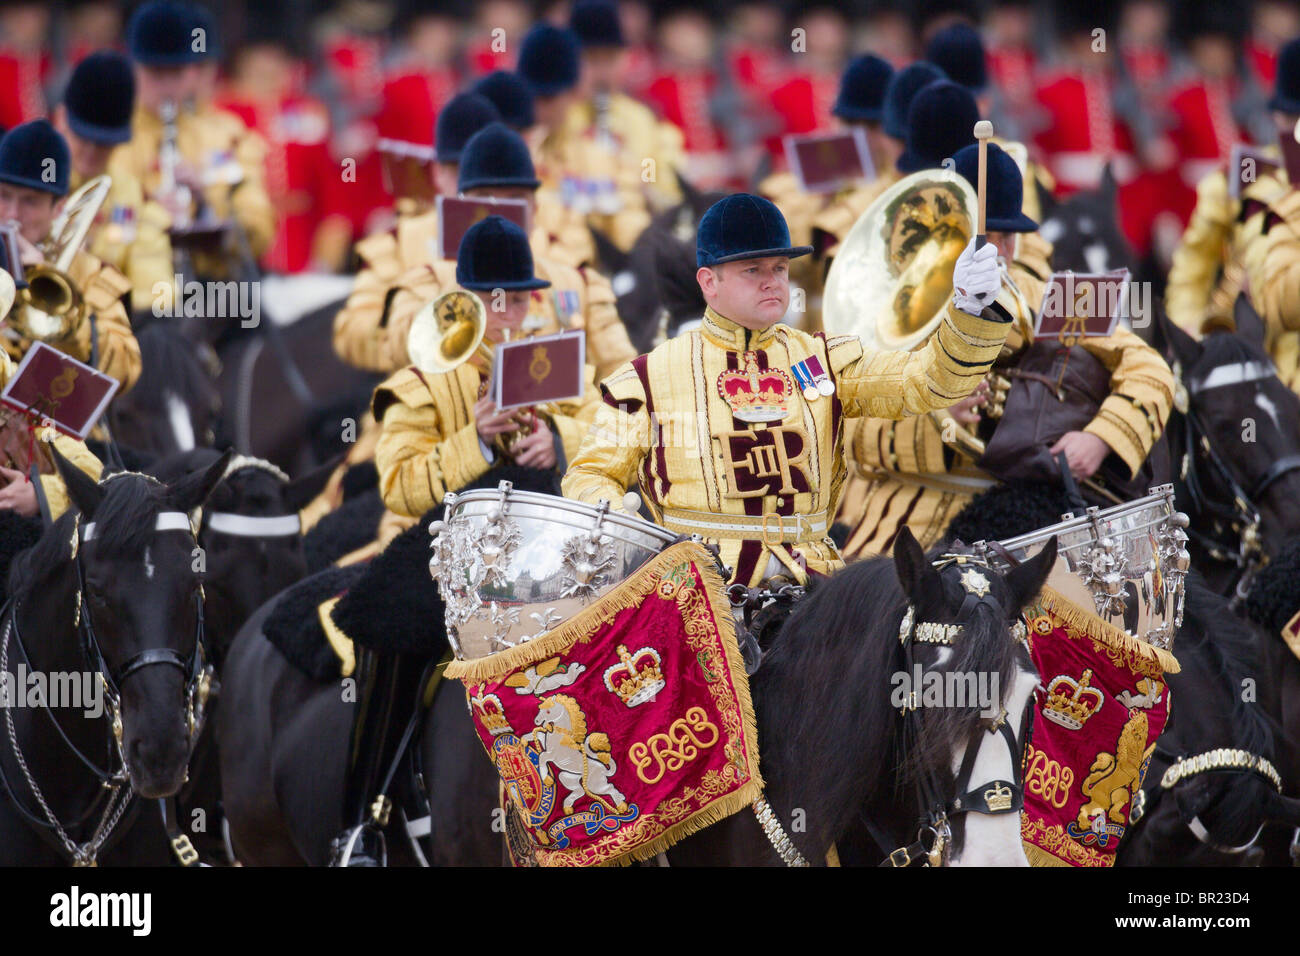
(1220, 760)
(993, 797)
(1244, 513)
(198, 684)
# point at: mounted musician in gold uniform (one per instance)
(723, 441)
(439, 431)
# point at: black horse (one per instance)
(286, 396)
(290, 721)
(107, 598)
(252, 549)
(1273, 602)
(833, 743)
(1220, 660)
(1235, 449)
(174, 406)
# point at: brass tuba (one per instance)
(51, 307)
(891, 282)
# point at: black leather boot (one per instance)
(388, 686)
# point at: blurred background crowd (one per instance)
(1158, 90)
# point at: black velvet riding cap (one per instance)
(941, 121)
(494, 254)
(548, 59)
(743, 226)
(596, 23)
(159, 34)
(463, 116)
(100, 98)
(511, 96)
(496, 156)
(903, 87)
(959, 52)
(862, 89)
(35, 155)
(1004, 184)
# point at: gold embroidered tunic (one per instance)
(726, 444)
(907, 475)
(579, 297)
(1272, 262)
(130, 234)
(429, 443)
(1209, 264)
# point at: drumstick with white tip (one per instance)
(983, 133)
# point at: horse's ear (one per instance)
(691, 196)
(306, 487)
(1182, 347)
(909, 562)
(83, 491)
(192, 490)
(1250, 326)
(1026, 579)
(612, 259)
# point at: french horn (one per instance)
(447, 332)
(51, 307)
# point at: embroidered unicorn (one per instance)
(582, 762)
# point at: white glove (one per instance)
(976, 278)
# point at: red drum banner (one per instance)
(629, 726)
(1102, 702)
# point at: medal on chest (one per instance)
(812, 379)
(756, 395)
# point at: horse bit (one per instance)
(197, 690)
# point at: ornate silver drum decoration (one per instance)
(512, 565)
(1127, 562)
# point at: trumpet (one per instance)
(51, 307)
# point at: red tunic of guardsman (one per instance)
(735, 430)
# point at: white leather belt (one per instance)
(769, 528)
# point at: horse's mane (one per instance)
(32, 567)
(827, 680)
(1225, 348)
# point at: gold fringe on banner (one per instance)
(1151, 660)
(1037, 856)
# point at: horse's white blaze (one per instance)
(994, 840)
(179, 416)
(148, 563)
(1270, 409)
(1052, 230)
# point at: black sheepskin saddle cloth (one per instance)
(390, 605)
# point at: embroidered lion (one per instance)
(583, 762)
(1113, 777)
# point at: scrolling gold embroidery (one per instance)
(675, 749)
(1047, 778)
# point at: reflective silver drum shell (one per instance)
(1127, 563)
(512, 565)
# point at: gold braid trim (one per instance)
(1149, 659)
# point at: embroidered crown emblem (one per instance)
(754, 395)
(491, 714)
(1072, 711)
(637, 678)
(998, 797)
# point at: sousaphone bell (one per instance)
(891, 282)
